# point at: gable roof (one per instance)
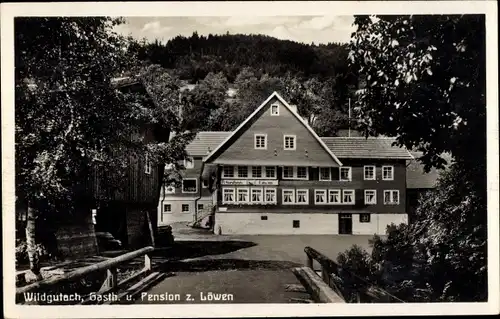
(205, 142)
(416, 178)
(300, 119)
(361, 147)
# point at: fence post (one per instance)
(309, 261)
(111, 280)
(324, 274)
(147, 262)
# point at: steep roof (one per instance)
(287, 106)
(342, 147)
(361, 147)
(416, 178)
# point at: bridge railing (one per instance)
(110, 266)
(340, 280)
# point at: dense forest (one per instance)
(192, 58)
(316, 78)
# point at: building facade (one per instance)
(274, 175)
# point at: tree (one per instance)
(425, 85)
(70, 117)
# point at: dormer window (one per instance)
(289, 142)
(275, 109)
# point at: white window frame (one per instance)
(294, 142)
(391, 191)
(297, 196)
(283, 196)
(224, 191)
(325, 193)
(339, 193)
(198, 207)
(283, 173)
(238, 171)
(147, 165)
(350, 173)
(353, 196)
(167, 211)
(295, 170)
(185, 211)
(329, 174)
(255, 146)
(392, 173)
(261, 195)
(251, 172)
(274, 170)
(188, 179)
(275, 195)
(224, 173)
(187, 160)
(374, 173)
(204, 183)
(374, 202)
(237, 195)
(277, 109)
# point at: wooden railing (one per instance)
(110, 266)
(341, 280)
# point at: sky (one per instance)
(305, 29)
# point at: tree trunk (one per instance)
(33, 256)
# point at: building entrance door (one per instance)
(345, 223)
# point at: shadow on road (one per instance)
(193, 249)
(226, 264)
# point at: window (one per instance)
(189, 185)
(270, 195)
(260, 141)
(242, 195)
(320, 196)
(200, 206)
(348, 196)
(345, 173)
(291, 172)
(228, 171)
(334, 196)
(364, 218)
(263, 217)
(288, 196)
(167, 208)
(257, 195)
(147, 165)
(188, 162)
(302, 172)
(370, 196)
(288, 172)
(275, 109)
(185, 208)
(270, 171)
(391, 197)
(289, 142)
(325, 174)
(369, 173)
(302, 196)
(204, 183)
(388, 173)
(296, 224)
(227, 195)
(256, 171)
(242, 171)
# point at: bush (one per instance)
(22, 252)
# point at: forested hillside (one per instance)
(313, 77)
(194, 57)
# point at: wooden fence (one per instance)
(110, 266)
(341, 280)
